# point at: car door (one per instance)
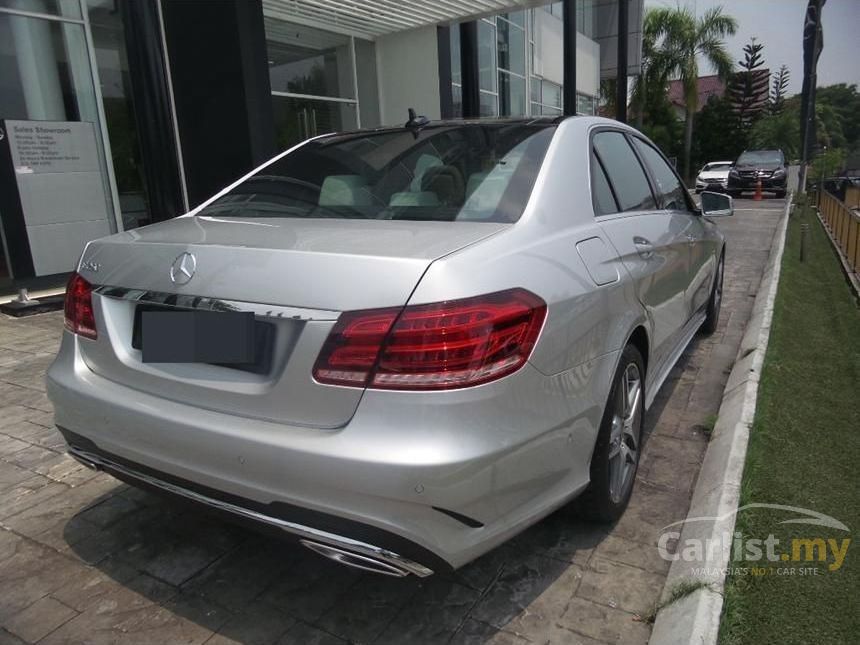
(675, 200)
(652, 244)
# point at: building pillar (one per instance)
(621, 84)
(469, 80)
(569, 56)
(220, 79)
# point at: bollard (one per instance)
(804, 231)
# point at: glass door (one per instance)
(314, 87)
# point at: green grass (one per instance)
(804, 451)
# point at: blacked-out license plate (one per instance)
(197, 336)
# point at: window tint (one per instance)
(670, 191)
(441, 172)
(624, 170)
(604, 201)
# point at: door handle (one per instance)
(691, 239)
(643, 247)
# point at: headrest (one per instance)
(447, 183)
(345, 190)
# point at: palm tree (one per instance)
(654, 70)
(683, 39)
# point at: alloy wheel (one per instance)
(624, 435)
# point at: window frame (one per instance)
(649, 180)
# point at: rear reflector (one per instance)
(445, 345)
(79, 316)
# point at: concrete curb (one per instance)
(695, 618)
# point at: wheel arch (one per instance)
(639, 339)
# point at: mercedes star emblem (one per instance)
(183, 268)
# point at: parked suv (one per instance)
(754, 165)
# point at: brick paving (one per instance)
(86, 558)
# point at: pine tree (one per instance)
(778, 90)
(748, 89)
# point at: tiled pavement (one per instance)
(85, 558)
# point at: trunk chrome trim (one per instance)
(186, 301)
(340, 548)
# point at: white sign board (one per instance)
(62, 190)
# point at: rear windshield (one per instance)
(474, 172)
(754, 157)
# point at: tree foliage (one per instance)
(680, 40)
(717, 136)
(778, 90)
(837, 122)
(748, 88)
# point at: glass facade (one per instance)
(116, 93)
(508, 83)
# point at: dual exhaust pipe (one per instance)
(356, 560)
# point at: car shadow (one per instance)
(250, 587)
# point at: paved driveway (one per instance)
(83, 557)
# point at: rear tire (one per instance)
(618, 445)
(715, 301)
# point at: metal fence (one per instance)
(844, 226)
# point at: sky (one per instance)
(778, 25)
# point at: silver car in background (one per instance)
(402, 346)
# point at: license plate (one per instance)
(224, 337)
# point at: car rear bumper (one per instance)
(375, 552)
(432, 485)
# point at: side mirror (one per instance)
(717, 205)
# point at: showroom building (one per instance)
(115, 114)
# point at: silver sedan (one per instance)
(401, 346)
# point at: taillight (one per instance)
(458, 343)
(79, 318)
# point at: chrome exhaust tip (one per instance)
(82, 459)
(356, 560)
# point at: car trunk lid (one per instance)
(295, 275)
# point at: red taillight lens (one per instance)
(80, 318)
(444, 345)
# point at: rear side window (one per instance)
(670, 191)
(476, 172)
(604, 200)
(624, 171)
